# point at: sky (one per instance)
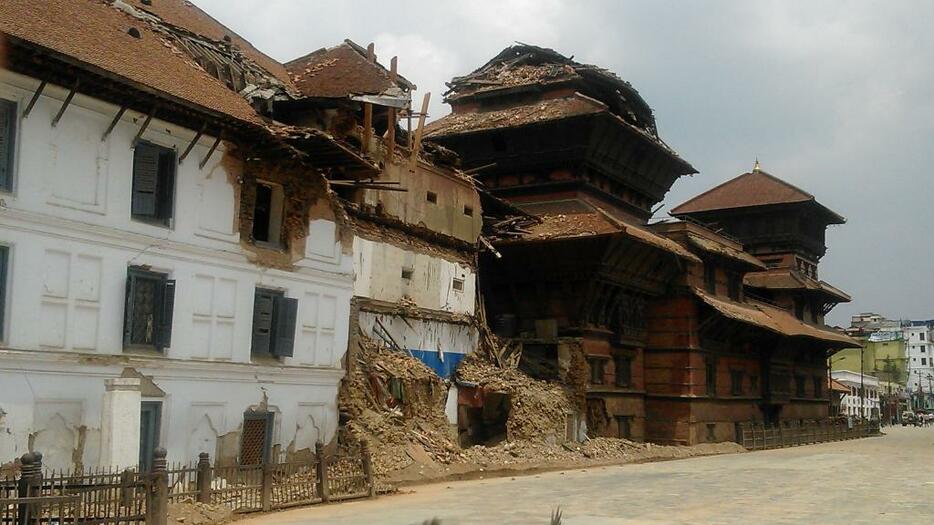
(834, 97)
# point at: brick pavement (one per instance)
(888, 479)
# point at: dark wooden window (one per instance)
(597, 370)
(256, 438)
(153, 183)
(736, 382)
(623, 371)
(818, 386)
(274, 318)
(624, 426)
(7, 143)
(799, 386)
(4, 264)
(734, 286)
(150, 302)
(710, 277)
(710, 369)
(799, 309)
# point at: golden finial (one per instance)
(756, 168)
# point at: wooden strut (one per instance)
(61, 111)
(413, 161)
(191, 144)
(145, 125)
(32, 101)
(211, 151)
(113, 123)
(391, 114)
(367, 107)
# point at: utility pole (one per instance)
(862, 385)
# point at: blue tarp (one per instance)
(433, 360)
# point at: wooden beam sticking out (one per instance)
(367, 107)
(211, 151)
(61, 111)
(471, 171)
(113, 123)
(191, 144)
(35, 97)
(413, 161)
(391, 114)
(145, 125)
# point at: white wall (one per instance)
(379, 265)
(71, 238)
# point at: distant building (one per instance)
(863, 398)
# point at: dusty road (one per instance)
(888, 479)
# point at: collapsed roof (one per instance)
(167, 58)
(345, 71)
(524, 66)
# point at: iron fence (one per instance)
(758, 436)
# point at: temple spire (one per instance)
(756, 168)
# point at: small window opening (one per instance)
(458, 285)
(711, 432)
(710, 369)
(597, 370)
(153, 183)
(267, 214)
(624, 427)
(407, 273)
(432, 197)
(736, 382)
(468, 211)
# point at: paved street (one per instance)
(888, 479)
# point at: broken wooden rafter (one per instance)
(145, 125)
(366, 185)
(113, 123)
(471, 171)
(368, 107)
(391, 114)
(490, 247)
(207, 157)
(34, 99)
(191, 144)
(65, 104)
(413, 161)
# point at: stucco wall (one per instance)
(71, 238)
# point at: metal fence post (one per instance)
(321, 462)
(157, 507)
(204, 480)
(368, 469)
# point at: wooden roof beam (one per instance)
(35, 97)
(65, 104)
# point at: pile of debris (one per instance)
(539, 410)
(395, 403)
(191, 512)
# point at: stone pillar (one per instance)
(120, 419)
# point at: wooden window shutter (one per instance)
(4, 254)
(145, 180)
(163, 335)
(7, 139)
(262, 323)
(128, 309)
(285, 311)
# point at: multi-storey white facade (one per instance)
(68, 242)
(863, 398)
(920, 356)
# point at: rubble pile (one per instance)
(538, 409)
(396, 405)
(195, 513)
